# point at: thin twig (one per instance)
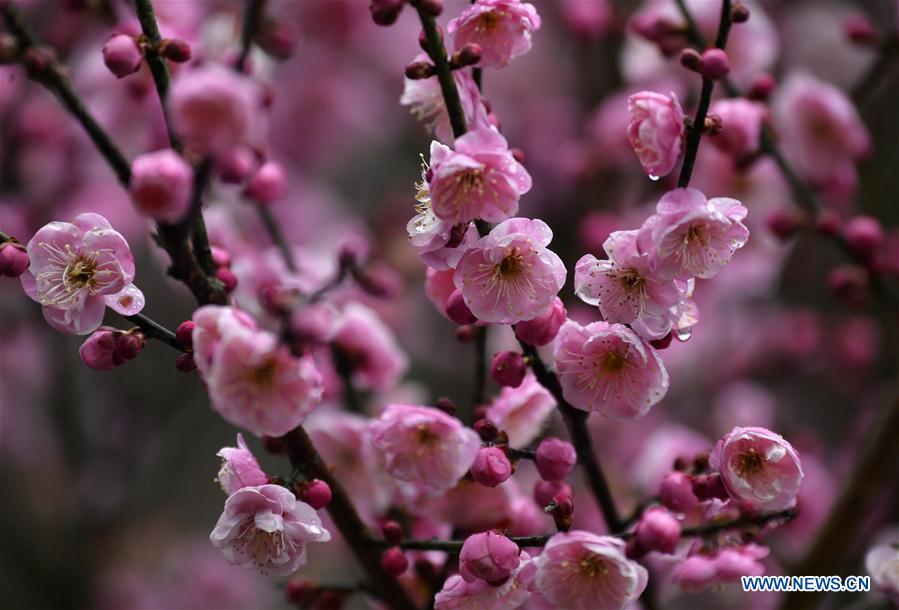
(251, 20)
(274, 231)
(155, 330)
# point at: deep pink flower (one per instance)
(676, 492)
(522, 412)
(608, 368)
(491, 467)
(479, 179)
(161, 185)
(544, 328)
(626, 289)
(691, 236)
(509, 275)
(658, 530)
(457, 594)
(76, 270)
(741, 127)
(488, 556)
(424, 445)
(214, 109)
(656, 131)
(820, 128)
(376, 360)
(425, 100)
(107, 347)
(580, 570)
(502, 28)
(267, 528)
(508, 369)
(211, 323)
(239, 468)
(760, 470)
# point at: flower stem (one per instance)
(274, 231)
(252, 17)
(155, 330)
(694, 137)
(576, 421)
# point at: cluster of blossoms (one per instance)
(294, 333)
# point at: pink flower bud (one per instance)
(850, 283)
(864, 235)
(316, 493)
(544, 328)
(662, 343)
(691, 59)
(829, 223)
(761, 87)
(715, 64)
(236, 165)
(508, 369)
(278, 38)
(658, 530)
(491, 467)
(783, 223)
(13, 259)
(486, 429)
(267, 184)
(708, 486)
(175, 50)
(393, 532)
(393, 562)
(129, 345)
(446, 405)
(184, 334)
(301, 593)
(185, 363)
(469, 54)
(457, 310)
(695, 573)
(122, 55)
(227, 277)
(555, 458)
(385, 12)
(418, 70)
(99, 350)
(220, 256)
(858, 29)
(545, 491)
(161, 185)
(465, 334)
(562, 510)
(739, 13)
(431, 7)
(488, 556)
(676, 492)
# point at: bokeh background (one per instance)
(107, 494)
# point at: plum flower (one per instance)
(488, 556)
(579, 570)
(254, 381)
(656, 131)
(760, 470)
(239, 468)
(608, 368)
(625, 289)
(522, 412)
(509, 275)
(690, 236)
(425, 100)
(369, 347)
(424, 445)
(882, 563)
(265, 527)
(77, 269)
(458, 594)
(700, 571)
(742, 121)
(502, 28)
(479, 179)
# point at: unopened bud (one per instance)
(761, 87)
(508, 369)
(392, 532)
(185, 363)
(446, 405)
(315, 493)
(739, 13)
(13, 259)
(715, 64)
(122, 55)
(468, 55)
(457, 310)
(486, 429)
(418, 70)
(184, 334)
(227, 277)
(431, 7)
(691, 59)
(394, 562)
(174, 49)
(713, 125)
(859, 30)
(385, 12)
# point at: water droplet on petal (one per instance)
(684, 334)
(653, 178)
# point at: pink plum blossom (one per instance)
(377, 362)
(691, 236)
(821, 130)
(700, 571)
(760, 470)
(458, 594)
(656, 131)
(522, 412)
(239, 468)
(609, 369)
(424, 445)
(488, 556)
(882, 563)
(509, 275)
(502, 28)
(626, 289)
(424, 98)
(741, 126)
(266, 528)
(580, 570)
(254, 381)
(214, 109)
(76, 270)
(478, 179)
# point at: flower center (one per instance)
(750, 464)
(592, 566)
(80, 272)
(632, 281)
(425, 435)
(261, 376)
(512, 264)
(696, 235)
(471, 180)
(613, 362)
(488, 21)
